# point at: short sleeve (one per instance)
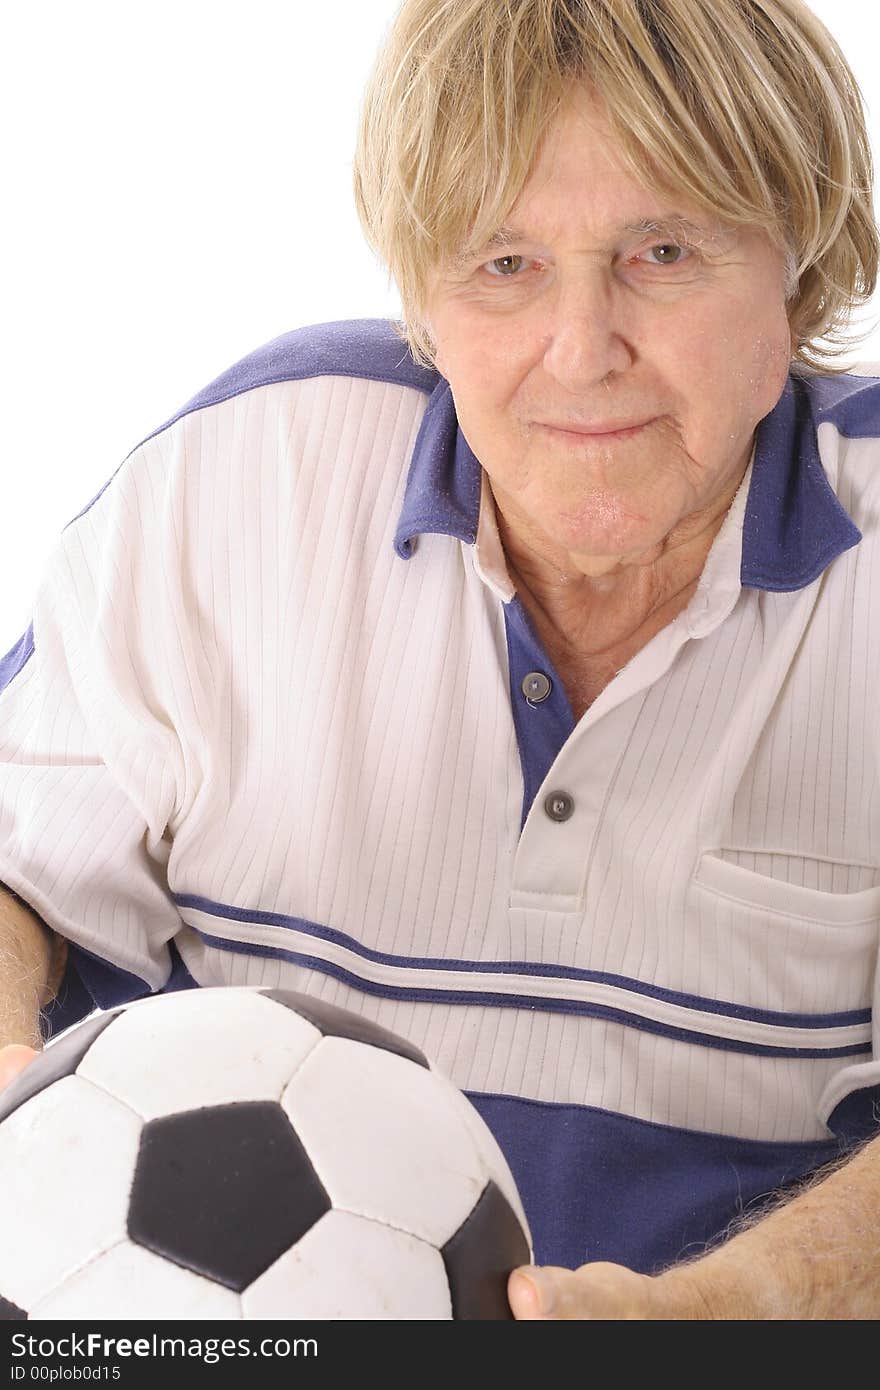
(93, 771)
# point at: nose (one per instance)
(587, 335)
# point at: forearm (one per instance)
(29, 961)
(815, 1257)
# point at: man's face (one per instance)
(574, 320)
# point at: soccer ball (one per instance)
(248, 1153)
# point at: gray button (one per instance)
(536, 687)
(559, 806)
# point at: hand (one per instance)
(13, 1059)
(602, 1292)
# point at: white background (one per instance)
(177, 191)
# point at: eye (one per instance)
(669, 253)
(504, 265)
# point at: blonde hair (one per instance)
(747, 107)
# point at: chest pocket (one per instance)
(793, 885)
(786, 943)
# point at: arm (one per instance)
(31, 963)
(814, 1257)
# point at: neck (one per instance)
(593, 624)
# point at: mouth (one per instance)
(582, 434)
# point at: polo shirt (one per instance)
(281, 720)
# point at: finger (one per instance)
(533, 1292)
(599, 1291)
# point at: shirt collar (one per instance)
(443, 488)
(793, 525)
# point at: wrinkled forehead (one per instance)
(589, 149)
(586, 178)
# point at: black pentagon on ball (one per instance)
(481, 1255)
(10, 1312)
(334, 1022)
(58, 1061)
(224, 1190)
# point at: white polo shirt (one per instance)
(281, 720)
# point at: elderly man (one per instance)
(516, 685)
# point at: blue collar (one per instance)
(443, 488)
(794, 525)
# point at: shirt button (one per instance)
(536, 687)
(559, 806)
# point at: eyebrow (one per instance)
(672, 224)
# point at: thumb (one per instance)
(534, 1291)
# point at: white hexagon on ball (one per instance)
(375, 1159)
(164, 1291)
(490, 1152)
(350, 1267)
(76, 1147)
(252, 1058)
